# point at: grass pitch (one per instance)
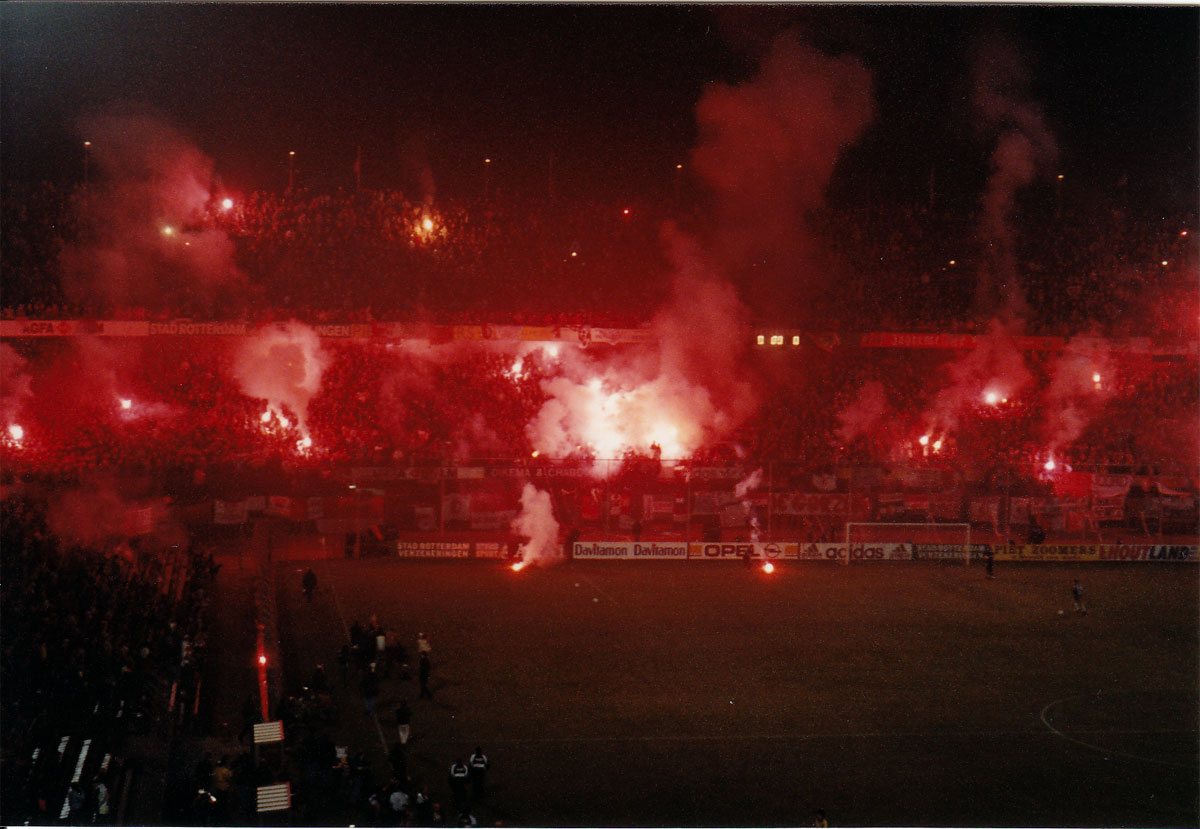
(705, 693)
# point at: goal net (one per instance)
(916, 542)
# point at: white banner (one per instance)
(433, 549)
(629, 550)
(229, 512)
(871, 551)
(764, 550)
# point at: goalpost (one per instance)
(947, 542)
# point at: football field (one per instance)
(706, 693)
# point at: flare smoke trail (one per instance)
(681, 391)
(15, 386)
(863, 415)
(138, 244)
(536, 522)
(1075, 396)
(1024, 148)
(768, 148)
(282, 364)
(741, 490)
(995, 364)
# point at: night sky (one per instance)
(603, 96)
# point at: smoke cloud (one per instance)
(536, 522)
(863, 415)
(995, 365)
(16, 386)
(1023, 148)
(282, 364)
(139, 241)
(768, 149)
(681, 391)
(1081, 381)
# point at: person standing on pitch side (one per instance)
(479, 766)
(423, 677)
(459, 772)
(1077, 595)
(403, 721)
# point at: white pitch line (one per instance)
(601, 591)
(338, 604)
(1104, 750)
(797, 737)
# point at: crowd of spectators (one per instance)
(383, 404)
(380, 255)
(101, 641)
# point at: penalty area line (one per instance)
(784, 737)
(1102, 749)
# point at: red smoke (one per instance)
(150, 178)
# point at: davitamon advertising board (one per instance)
(629, 550)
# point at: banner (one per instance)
(433, 549)
(491, 550)
(492, 519)
(872, 551)
(802, 503)
(585, 550)
(229, 512)
(1095, 552)
(279, 506)
(761, 550)
(139, 521)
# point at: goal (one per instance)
(945, 542)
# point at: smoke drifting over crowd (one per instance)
(1081, 380)
(993, 372)
(140, 241)
(282, 364)
(1024, 149)
(767, 149)
(15, 387)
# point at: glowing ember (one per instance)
(16, 432)
(923, 440)
(1096, 378)
(518, 566)
(304, 443)
(126, 403)
(266, 416)
(937, 445)
(769, 567)
(991, 398)
(534, 453)
(168, 231)
(427, 224)
(226, 204)
(1050, 465)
